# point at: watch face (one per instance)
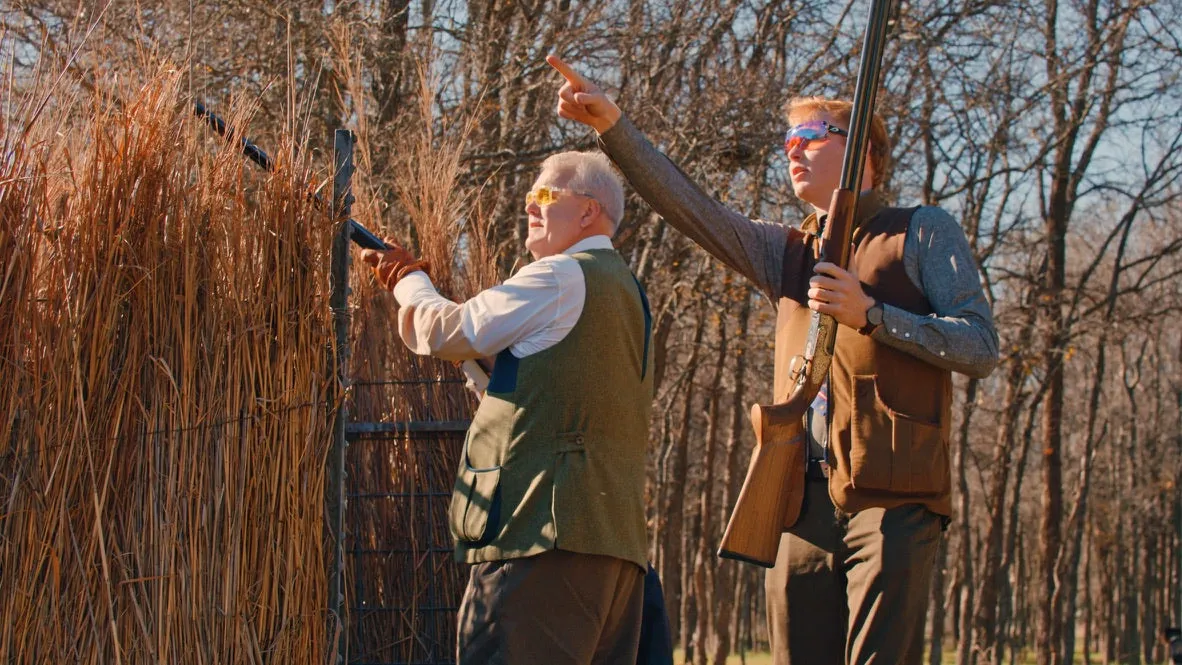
(874, 314)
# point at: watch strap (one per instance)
(871, 326)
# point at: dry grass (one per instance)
(402, 581)
(163, 328)
(164, 339)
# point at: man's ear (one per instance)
(590, 213)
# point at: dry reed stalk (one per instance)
(441, 218)
(401, 577)
(164, 377)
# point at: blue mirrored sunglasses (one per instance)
(813, 130)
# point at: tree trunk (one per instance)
(1050, 530)
(1113, 569)
(689, 602)
(1146, 591)
(952, 600)
(1131, 377)
(725, 581)
(1020, 612)
(1012, 576)
(1082, 95)
(660, 519)
(1087, 595)
(964, 649)
(1068, 566)
(990, 585)
(390, 67)
(704, 564)
(936, 643)
(672, 558)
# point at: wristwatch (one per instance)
(873, 319)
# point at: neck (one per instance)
(599, 228)
(585, 237)
(823, 208)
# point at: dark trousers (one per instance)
(852, 589)
(559, 608)
(656, 642)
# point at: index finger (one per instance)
(829, 269)
(573, 77)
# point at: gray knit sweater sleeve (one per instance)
(959, 335)
(753, 248)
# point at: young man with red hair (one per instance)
(853, 573)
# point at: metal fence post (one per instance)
(342, 199)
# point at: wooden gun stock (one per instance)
(773, 491)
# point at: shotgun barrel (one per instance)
(357, 233)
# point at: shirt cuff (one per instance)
(414, 287)
(476, 379)
(898, 323)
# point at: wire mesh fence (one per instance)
(403, 584)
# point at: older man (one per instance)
(851, 580)
(549, 498)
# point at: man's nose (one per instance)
(795, 152)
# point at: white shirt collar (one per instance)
(586, 244)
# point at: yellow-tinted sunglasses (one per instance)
(544, 196)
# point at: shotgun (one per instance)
(357, 233)
(773, 490)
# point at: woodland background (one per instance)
(1051, 130)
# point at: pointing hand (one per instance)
(582, 101)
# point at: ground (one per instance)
(761, 658)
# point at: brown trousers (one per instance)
(559, 608)
(852, 589)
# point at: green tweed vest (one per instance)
(555, 455)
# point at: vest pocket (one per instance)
(891, 450)
(475, 513)
(571, 491)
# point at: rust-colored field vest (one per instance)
(889, 412)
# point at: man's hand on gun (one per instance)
(838, 293)
(582, 101)
(391, 265)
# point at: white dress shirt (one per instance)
(530, 312)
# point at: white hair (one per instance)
(593, 174)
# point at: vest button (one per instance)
(579, 440)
